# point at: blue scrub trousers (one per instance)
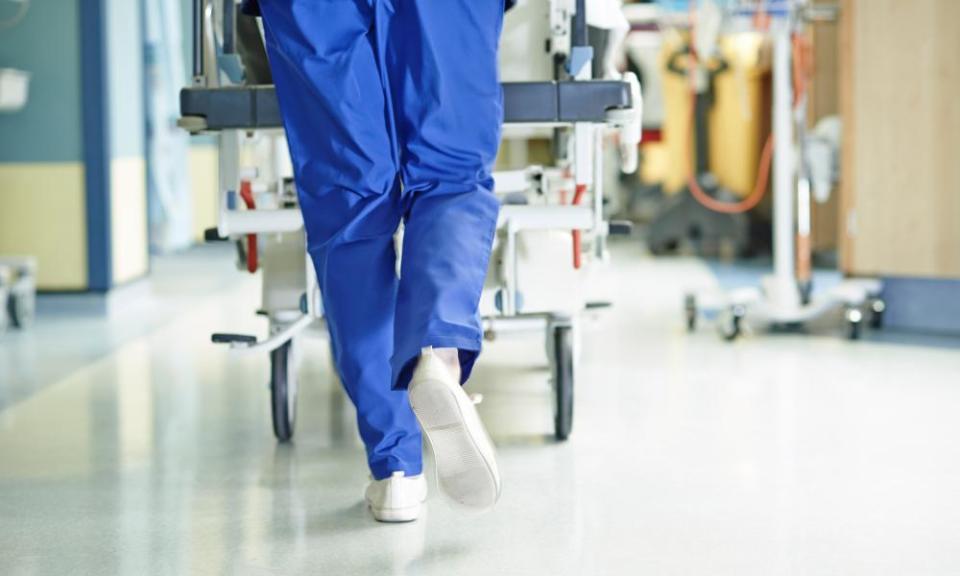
(392, 110)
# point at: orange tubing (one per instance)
(748, 203)
(802, 51)
(578, 234)
(766, 157)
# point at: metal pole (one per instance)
(229, 27)
(599, 230)
(784, 263)
(511, 269)
(579, 35)
(198, 63)
(229, 177)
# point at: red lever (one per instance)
(246, 194)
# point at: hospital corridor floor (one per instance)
(150, 451)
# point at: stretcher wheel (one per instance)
(283, 391)
(563, 380)
(690, 311)
(731, 326)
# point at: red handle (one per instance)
(246, 194)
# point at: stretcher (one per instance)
(259, 212)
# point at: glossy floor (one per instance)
(785, 454)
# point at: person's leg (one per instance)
(448, 107)
(323, 56)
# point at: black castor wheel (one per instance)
(732, 324)
(877, 309)
(854, 318)
(806, 291)
(690, 311)
(283, 391)
(563, 380)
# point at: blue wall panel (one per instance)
(46, 44)
(96, 142)
(923, 305)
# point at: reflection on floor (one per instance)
(73, 330)
(787, 454)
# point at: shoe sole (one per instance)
(395, 515)
(464, 455)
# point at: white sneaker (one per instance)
(464, 455)
(397, 498)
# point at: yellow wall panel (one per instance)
(42, 214)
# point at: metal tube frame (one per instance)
(784, 256)
(198, 59)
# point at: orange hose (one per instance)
(803, 67)
(578, 234)
(804, 257)
(802, 51)
(766, 157)
(760, 185)
(748, 203)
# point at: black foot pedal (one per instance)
(621, 228)
(221, 338)
(213, 235)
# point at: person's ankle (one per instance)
(451, 358)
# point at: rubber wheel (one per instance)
(690, 310)
(563, 381)
(877, 308)
(20, 310)
(733, 328)
(854, 329)
(283, 392)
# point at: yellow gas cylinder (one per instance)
(738, 122)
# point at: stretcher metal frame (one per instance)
(549, 102)
(586, 105)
